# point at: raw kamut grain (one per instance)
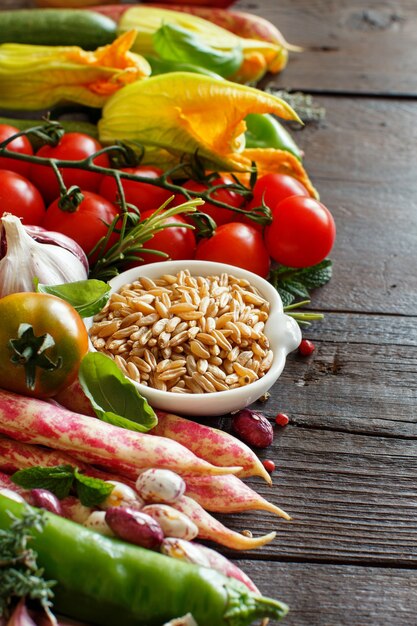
(186, 334)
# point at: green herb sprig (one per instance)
(20, 576)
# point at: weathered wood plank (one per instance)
(353, 47)
(355, 381)
(352, 498)
(331, 595)
(362, 160)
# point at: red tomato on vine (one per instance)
(87, 224)
(71, 147)
(237, 244)
(302, 232)
(144, 196)
(21, 198)
(219, 214)
(176, 241)
(20, 145)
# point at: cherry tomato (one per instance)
(272, 188)
(145, 197)
(72, 147)
(87, 225)
(237, 244)
(21, 198)
(45, 314)
(176, 241)
(21, 145)
(219, 214)
(302, 232)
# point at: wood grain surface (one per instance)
(347, 463)
(355, 47)
(332, 595)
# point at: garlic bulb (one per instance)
(26, 259)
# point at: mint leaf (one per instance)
(114, 397)
(297, 282)
(87, 297)
(91, 491)
(57, 479)
(174, 43)
(297, 289)
(286, 296)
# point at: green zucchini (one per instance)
(57, 27)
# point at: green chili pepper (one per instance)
(264, 131)
(107, 582)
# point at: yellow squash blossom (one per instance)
(259, 56)
(185, 113)
(39, 77)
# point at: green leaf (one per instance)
(114, 397)
(174, 43)
(296, 282)
(87, 297)
(163, 66)
(91, 491)
(297, 289)
(57, 479)
(317, 275)
(286, 296)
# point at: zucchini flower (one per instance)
(189, 38)
(182, 114)
(185, 113)
(39, 77)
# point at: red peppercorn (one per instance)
(269, 466)
(282, 419)
(306, 347)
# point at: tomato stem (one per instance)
(29, 351)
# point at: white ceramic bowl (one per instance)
(282, 331)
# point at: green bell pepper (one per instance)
(106, 582)
(264, 131)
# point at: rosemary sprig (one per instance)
(130, 242)
(304, 318)
(20, 576)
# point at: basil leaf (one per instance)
(57, 479)
(87, 297)
(114, 398)
(174, 43)
(164, 66)
(91, 491)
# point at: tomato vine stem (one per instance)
(50, 133)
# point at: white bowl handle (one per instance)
(286, 331)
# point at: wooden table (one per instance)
(347, 463)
